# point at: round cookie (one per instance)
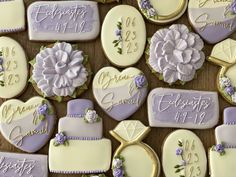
(213, 20)
(13, 68)
(60, 72)
(162, 11)
(183, 155)
(123, 35)
(174, 54)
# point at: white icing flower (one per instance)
(58, 71)
(234, 97)
(176, 53)
(225, 82)
(151, 12)
(91, 116)
(117, 163)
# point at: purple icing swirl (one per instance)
(219, 148)
(140, 81)
(60, 138)
(118, 172)
(43, 109)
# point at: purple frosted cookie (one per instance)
(174, 54)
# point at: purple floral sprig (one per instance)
(2, 83)
(60, 139)
(44, 110)
(118, 169)
(140, 81)
(233, 7)
(228, 88)
(179, 152)
(119, 41)
(219, 148)
(147, 8)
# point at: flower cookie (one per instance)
(79, 146)
(63, 20)
(60, 72)
(123, 35)
(12, 13)
(213, 20)
(174, 54)
(133, 158)
(13, 68)
(163, 11)
(29, 125)
(183, 155)
(224, 55)
(222, 155)
(120, 94)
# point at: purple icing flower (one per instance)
(145, 4)
(118, 172)
(219, 148)
(140, 81)
(229, 90)
(60, 138)
(118, 32)
(179, 151)
(42, 110)
(233, 7)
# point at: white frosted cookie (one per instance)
(12, 16)
(123, 35)
(13, 68)
(63, 20)
(183, 155)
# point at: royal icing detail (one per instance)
(123, 35)
(63, 20)
(164, 11)
(183, 108)
(213, 20)
(13, 68)
(13, 16)
(23, 165)
(175, 54)
(29, 125)
(133, 158)
(120, 94)
(224, 55)
(79, 147)
(60, 71)
(183, 155)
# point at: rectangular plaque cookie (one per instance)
(23, 165)
(183, 108)
(63, 20)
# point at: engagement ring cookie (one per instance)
(13, 68)
(63, 20)
(133, 158)
(60, 72)
(184, 155)
(120, 94)
(224, 55)
(123, 35)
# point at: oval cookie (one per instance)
(184, 155)
(13, 68)
(123, 35)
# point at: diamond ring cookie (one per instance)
(163, 11)
(224, 55)
(213, 20)
(12, 13)
(183, 155)
(133, 158)
(175, 54)
(183, 108)
(60, 72)
(79, 146)
(63, 20)
(123, 35)
(13, 68)
(28, 126)
(120, 94)
(222, 155)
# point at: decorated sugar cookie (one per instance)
(175, 54)
(23, 165)
(222, 155)
(224, 55)
(123, 35)
(183, 108)
(163, 11)
(79, 146)
(29, 125)
(60, 72)
(63, 20)
(13, 68)
(133, 158)
(12, 13)
(213, 20)
(120, 94)
(183, 155)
